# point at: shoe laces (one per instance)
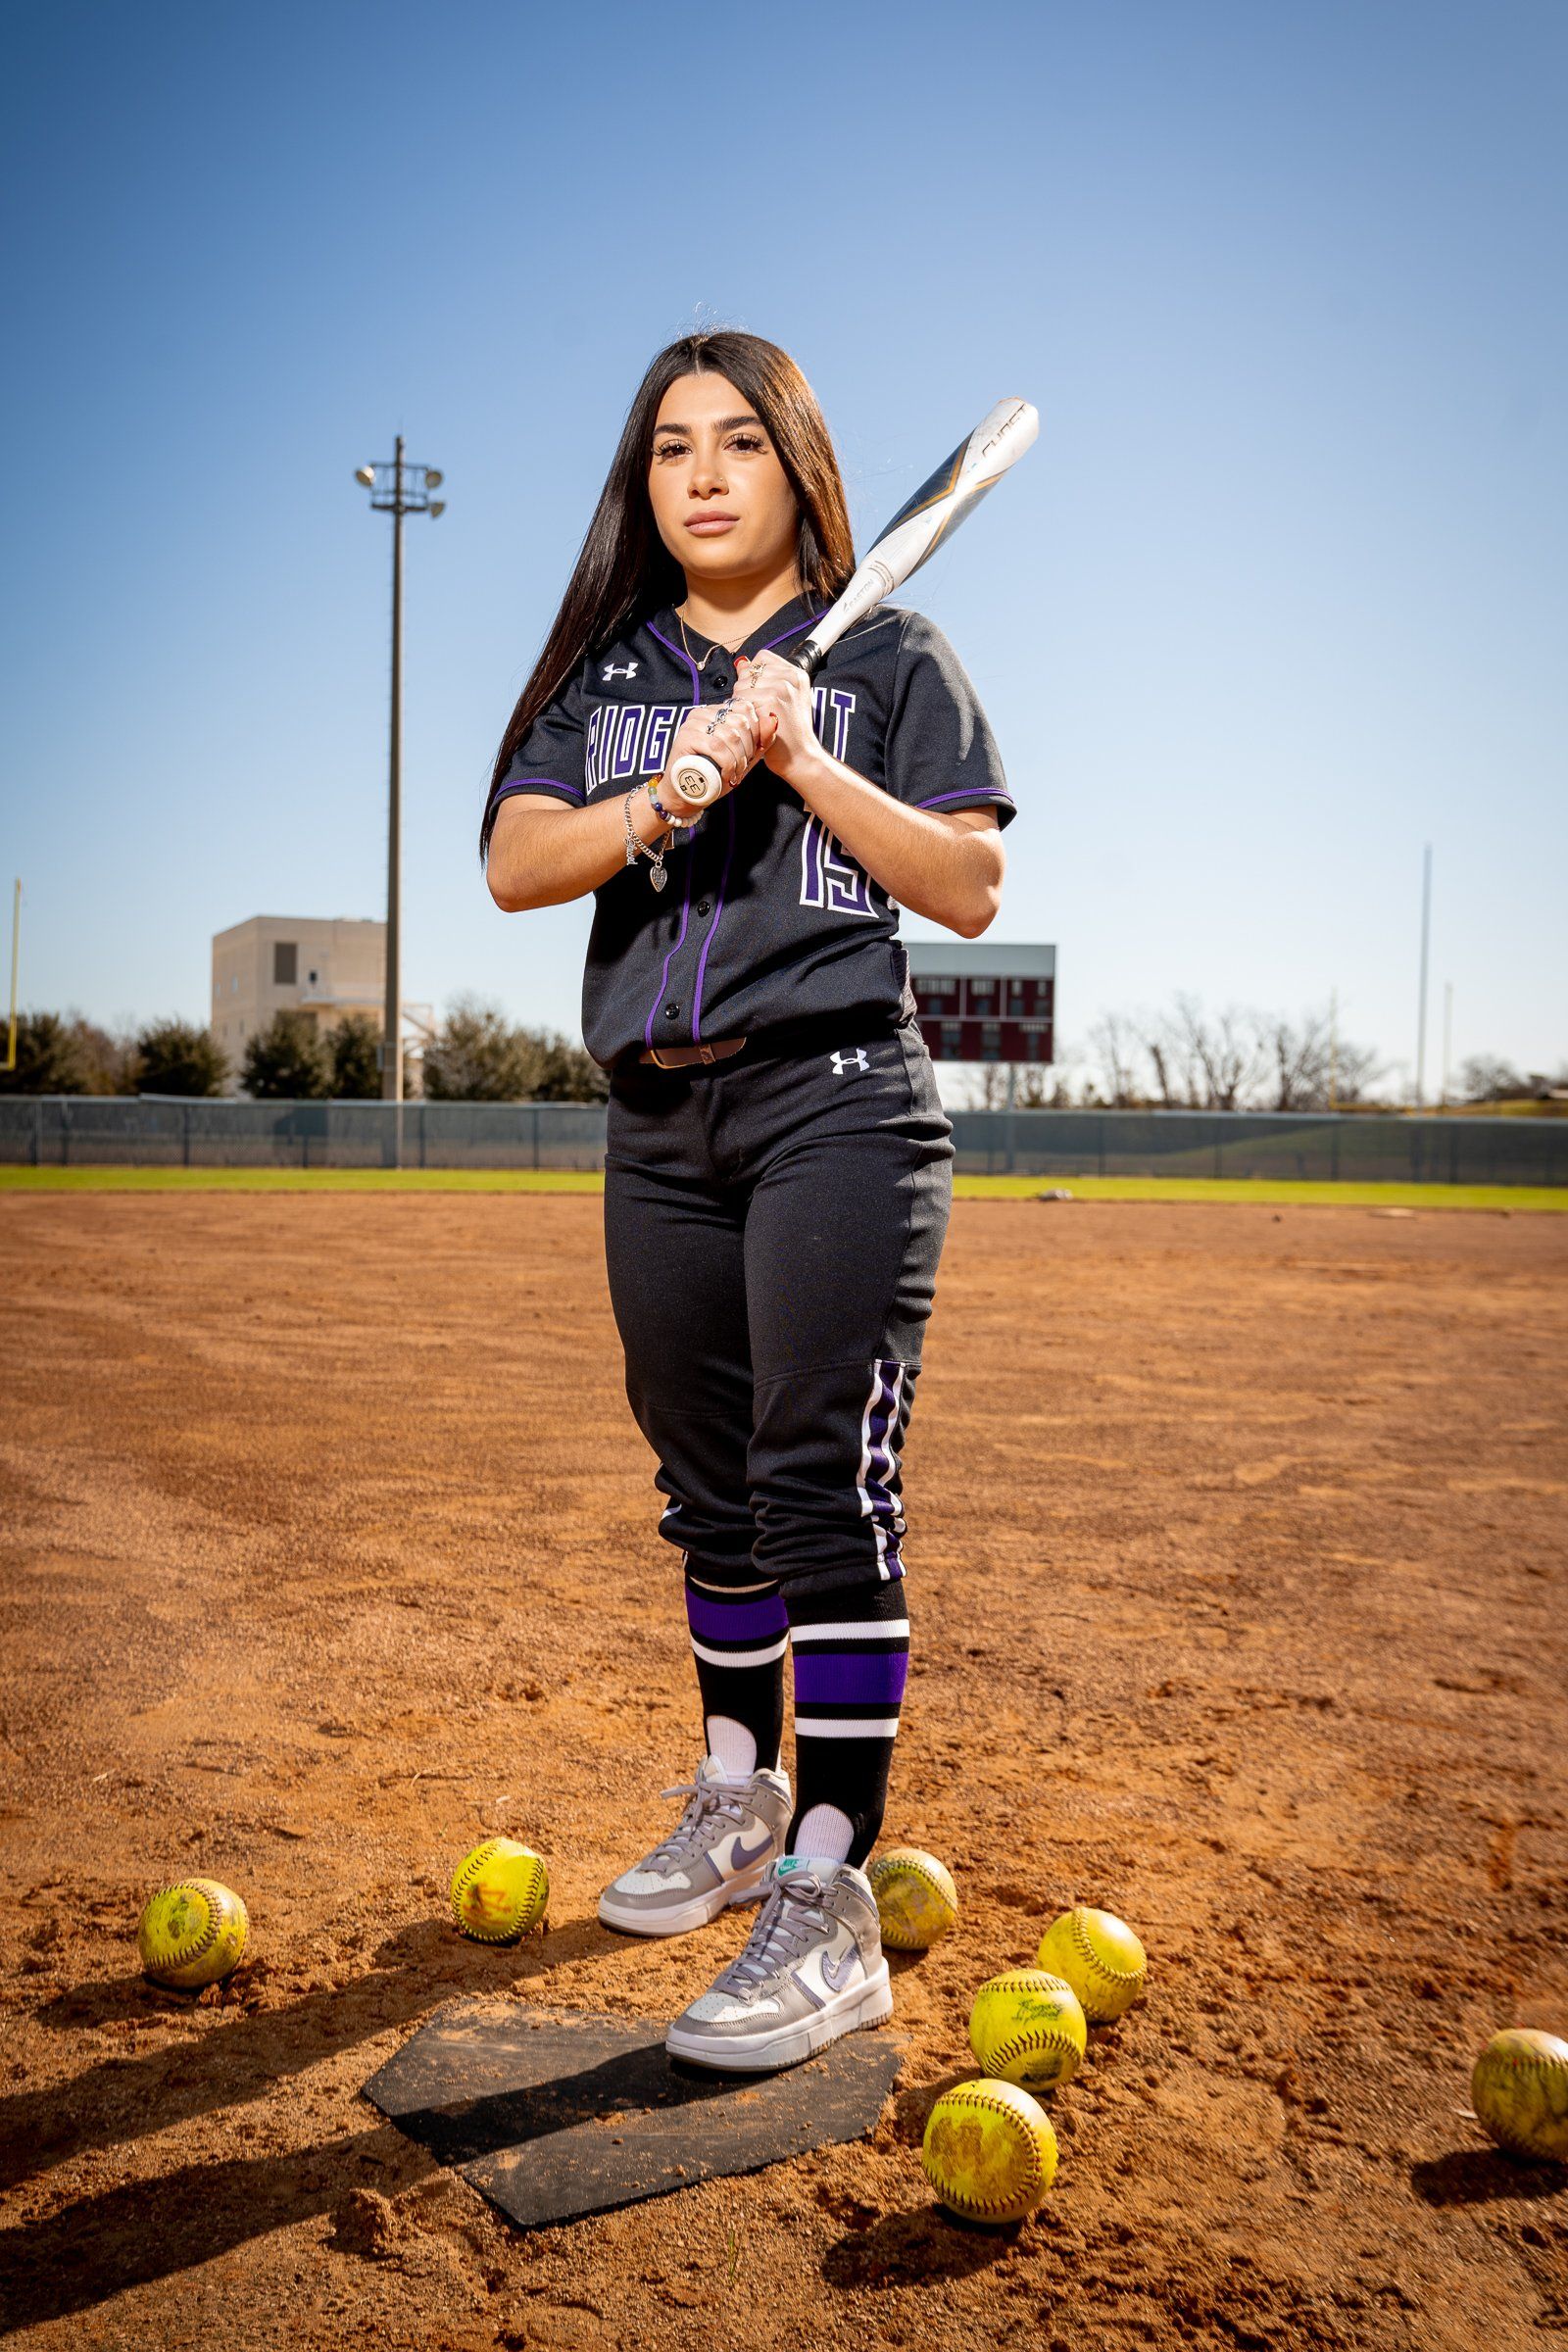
(792, 1912)
(707, 1806)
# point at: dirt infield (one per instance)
(1236, 1547)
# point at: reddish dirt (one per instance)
(1236, 1547)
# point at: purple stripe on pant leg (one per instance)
(761, 1618)
(843, 1679)
(879, 1459)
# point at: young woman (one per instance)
(778, 1171)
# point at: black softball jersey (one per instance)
(767, 921)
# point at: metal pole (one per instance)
(1447, 1037)
(392, 1025)
(1421, 1015)
(16, 935)
(1334, 1048)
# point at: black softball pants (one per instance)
(773, 1229)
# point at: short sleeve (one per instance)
(940, 752)
(551, 758)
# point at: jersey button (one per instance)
(671, 1012)
(720, 682)
(702, 905)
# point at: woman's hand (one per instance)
(781, 696)
(728, 734)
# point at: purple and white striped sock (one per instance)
(739, 1632)
(852, 1660)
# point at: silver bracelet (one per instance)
(636, 847)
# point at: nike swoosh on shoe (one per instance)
(836, 1973)
(742, 1857)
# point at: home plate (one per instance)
(553, 2113)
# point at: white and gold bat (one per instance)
(916, 530)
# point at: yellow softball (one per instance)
(1100, 1958)
(1519, 2091)
(499, 1891)
(916, 1900)
(191, 1933)
(989, 2151)
(1028, 2028)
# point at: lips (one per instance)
(710, 525)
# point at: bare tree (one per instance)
(1227, 1051)
(1183, 1059)
(1115, 1043)
(1487, 1078)
(986, 1088)
(1312, 1070)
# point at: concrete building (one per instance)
(324, 969)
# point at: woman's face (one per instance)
(721, 500)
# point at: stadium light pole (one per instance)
(9, 1062)
(399, 489)
(1421, 1012)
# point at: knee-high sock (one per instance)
(739, 1632)
(852, 1658)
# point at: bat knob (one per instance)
(695, 779)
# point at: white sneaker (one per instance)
(718, 1855)
(813, 1968)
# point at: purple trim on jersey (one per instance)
(680, 654)
(937, 799)
(664, 977)
(736, 1620)
(729, 847)
(846, 1678)
(701, 961)
(675, 948)
(809, 623)
(521, 783)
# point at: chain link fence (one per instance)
(1313, 1146)
(147, 1131)
(159, 1132)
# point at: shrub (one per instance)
(353, 1051)
(53, 1057)
(567, 1073)
(477, 1056)
(287, 1061)
(175, 1058)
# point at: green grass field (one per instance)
(1265, 1192)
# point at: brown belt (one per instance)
(675, 1058)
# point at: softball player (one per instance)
(778, 1169)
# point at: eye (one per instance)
(753, 442)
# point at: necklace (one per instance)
(717, 645)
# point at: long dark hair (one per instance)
(625, 572)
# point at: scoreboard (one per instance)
(980, 1002)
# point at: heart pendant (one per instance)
(657, 877)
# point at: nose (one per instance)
(708, 475)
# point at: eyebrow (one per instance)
(726, 424)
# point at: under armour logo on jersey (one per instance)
(611, 671)
(858, 1061)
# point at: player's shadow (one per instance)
(126, 2099)
(144, 2231)
(1486, 2177)
(636, 2082)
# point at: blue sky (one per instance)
(1278, 596)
